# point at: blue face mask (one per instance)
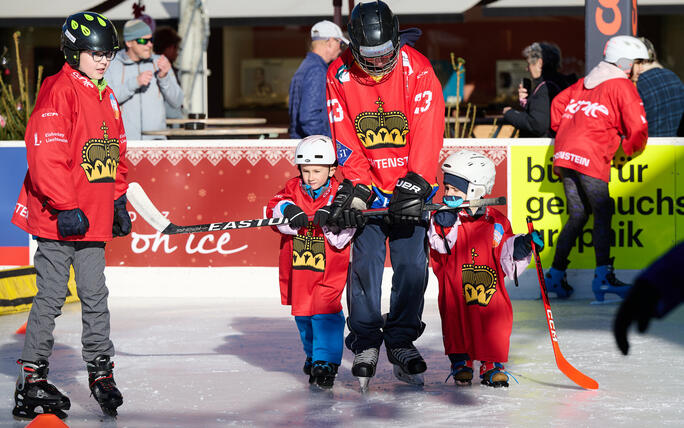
(452, 201)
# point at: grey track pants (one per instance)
(52, 262)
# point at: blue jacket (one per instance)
(308, 110)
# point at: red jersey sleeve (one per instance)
(49, 149)
(633, 125)
(356, 166)
(427, 125)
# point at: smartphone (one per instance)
(527, 84)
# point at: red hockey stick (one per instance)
(563, 365)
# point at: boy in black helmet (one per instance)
(386, 112)
(73, 200)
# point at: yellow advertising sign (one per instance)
(647, 208)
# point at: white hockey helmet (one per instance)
(474, 167)
(626, 47)
(315, 150)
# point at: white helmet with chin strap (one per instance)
(474, 167)
(623, 50)
(315, 150)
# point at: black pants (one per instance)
(585, 195)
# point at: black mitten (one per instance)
(72, 223)
(122, 221)
(296, 217)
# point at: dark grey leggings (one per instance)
(585, 195)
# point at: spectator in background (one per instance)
(662, 93)
(308, 111)
(167, 43)
(142, 82)
(543, 63)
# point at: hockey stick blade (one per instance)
(563, 365)
(144, 206)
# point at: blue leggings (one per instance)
(322, 336)
(585, 195)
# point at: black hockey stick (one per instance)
(144, 206)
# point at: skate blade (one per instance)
(28, 416)
(412, 379)
(364, 382)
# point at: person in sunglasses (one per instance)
(142, 81)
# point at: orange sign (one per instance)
(612, 27)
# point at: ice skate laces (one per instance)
(489, 371)
(404, 355)
(367, 356)
(458, 367)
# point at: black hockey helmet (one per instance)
(87, 31)
(374, 37)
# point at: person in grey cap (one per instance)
(308, 110)
(142, 81)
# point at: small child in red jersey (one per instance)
(313, 258)
(472, 250)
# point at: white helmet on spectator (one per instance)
(315, 150)
(473, 167)
(626, 47)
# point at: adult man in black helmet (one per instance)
(73, 200)
(387, 118)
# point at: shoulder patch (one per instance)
(342, 74)
(343, 153)
(498, 234)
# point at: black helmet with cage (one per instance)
(374, 37)
(87, 31)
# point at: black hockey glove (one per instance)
(72, 223)
(522, 246)
(408, 199)
(295, 216)
(321, 216)
(122, 221)
(350, 200)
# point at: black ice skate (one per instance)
(408, 364)
(307, 369)
(324, 374)
(34, 395)
(102, 385)
(364, 366)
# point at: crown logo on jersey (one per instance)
(308, 251)
(479, 282)
(101, 158)
(382, 128)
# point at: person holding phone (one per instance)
(142, 81)
(536, 94)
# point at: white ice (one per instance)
(237, 362)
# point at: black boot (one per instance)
(324, 374)
(34, 395)
(102, 385)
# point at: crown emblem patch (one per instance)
(381, 129)
(101, 158)
(479, 282)
(308, 251)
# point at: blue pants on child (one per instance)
(322, 336)
(408, 255)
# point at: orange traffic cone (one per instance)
(22, 329)
(47, 420)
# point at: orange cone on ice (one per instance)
(22, 329)
(47, 420)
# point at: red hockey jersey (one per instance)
(312, 272)
(476, 312)
(592, 116)
(384, 129)
(75, 147)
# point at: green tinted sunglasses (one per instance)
(144, 41)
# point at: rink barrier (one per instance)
(197, 181)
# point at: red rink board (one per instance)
(198, 184)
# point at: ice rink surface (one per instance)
(237, 362)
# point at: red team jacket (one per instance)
(385, 129)
(589, 123)
(312, 272)
(476, 312)
(75, 147)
